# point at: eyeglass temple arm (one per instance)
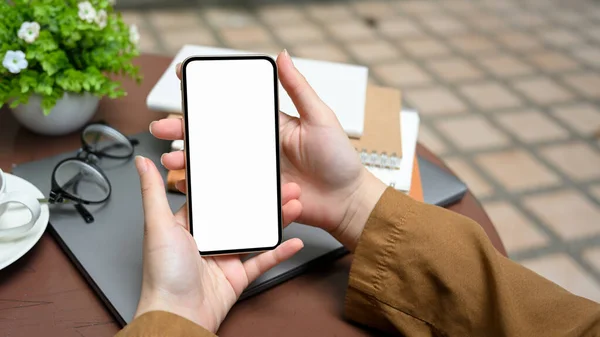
(85, 214)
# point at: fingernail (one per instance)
(177, 67)
(285, 53)
(161, 159)
(150, 127)
(140, 164)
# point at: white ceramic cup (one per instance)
(29, 202)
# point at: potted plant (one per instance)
(58, 58)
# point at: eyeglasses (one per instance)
(79, 179)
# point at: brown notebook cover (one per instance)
(381, 133)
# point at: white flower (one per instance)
(134, 34)
(29, 31)
(101, 18)
(86, 11)
(14, 61)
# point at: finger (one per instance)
(306, 100)
(167, 128)
(154, 197)
(261, 263)
(289, 192)
(291, 211)
(173, 160)
(181, 186)
(178, 70)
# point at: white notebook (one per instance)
(400, 178)
(341, 86)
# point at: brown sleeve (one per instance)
(163, 324)
(426, 271)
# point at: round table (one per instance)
(44, 294)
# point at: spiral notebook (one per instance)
(381, 142)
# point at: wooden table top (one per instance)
(43, 294)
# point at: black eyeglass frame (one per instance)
(59, 195)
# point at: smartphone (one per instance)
(231, 145)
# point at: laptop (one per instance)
(108, 252)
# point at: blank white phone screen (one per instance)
(232, 154)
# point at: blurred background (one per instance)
(508, 92)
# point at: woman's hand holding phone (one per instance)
(176, 278)
(338, 192)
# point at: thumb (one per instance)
(310, 107)
(154, 197)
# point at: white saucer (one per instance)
(12, 250)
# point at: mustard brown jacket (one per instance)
(421, 270)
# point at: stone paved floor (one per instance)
(508, 91)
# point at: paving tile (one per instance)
(454, 69)
(472, 132)
(431, 140)
(228, 17)
(175, 39)
(373, 9)
(577, 160)
(462, 7)
(175, 19)
(149, 44)
(490, 95)
(435, 101)
(592, 256)
(518, 41)
(399, 28)
(504, 7)
(281, 15)
(583, 117)
(473, 44)
(299, 34)
(593, 32)
(133, 18)
(589, 55)
(552, 61)
(324, 52)
(543, 90)
(269, 48)
(504, 65)
(569, 17)
(469, 176)
(516, 231)
(401, 74)
(373, 51)
(443, 24)
(587, 84)
(567, 212)
(531, 126)
(562, 270)
(245, 36)
(354, 30)
(329, 12)
(560, 37)
(425, 47)
(523, 19)
(517, 170)
(486, 22)
(418, 7)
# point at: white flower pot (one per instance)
(69, 114)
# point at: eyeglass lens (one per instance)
(82, 181)
(106, 140)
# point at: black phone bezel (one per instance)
(187, 153)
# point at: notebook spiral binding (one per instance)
(381, 160)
